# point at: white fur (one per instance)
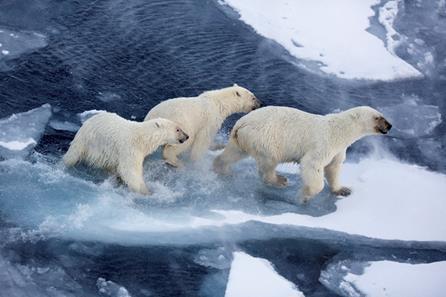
(201, 117)
(108, 141)
(274, 135)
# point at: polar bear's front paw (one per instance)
(177, 164)
(281, 181)
(344, 191)
(278, 181)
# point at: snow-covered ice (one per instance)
(250, 276)
(393, 279)
(315, 31)
(387, 198)
(20, 132)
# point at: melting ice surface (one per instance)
(315, 31)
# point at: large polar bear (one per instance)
(201, 117)
(274, 135)
(108, 141)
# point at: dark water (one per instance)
(126, 56)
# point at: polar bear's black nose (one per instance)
(183, 137)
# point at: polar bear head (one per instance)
(234, 99)
(245, 98)
(370, 120)
(169, 131)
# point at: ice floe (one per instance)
(15, 43)
(250, 276)
(20, 132)
(315, 31)
(386, 278)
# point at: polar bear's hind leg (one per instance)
(267, 170)
(312, 178)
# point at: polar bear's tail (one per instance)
(231, 154)
(73, 155)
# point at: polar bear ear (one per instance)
(235, 85)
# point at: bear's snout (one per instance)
(183, 137)
(257, 103)
(383, 126)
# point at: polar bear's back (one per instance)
(102, 138)
(189, 111)
(283, 132)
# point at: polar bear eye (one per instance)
(237, 93)
(178, 130)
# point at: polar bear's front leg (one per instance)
(171, 152)
(312, 178)
(201, 144)
(131, 173)
(332, 172)
(267, 170)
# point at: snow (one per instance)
(20, 132)
(313, 31)
(388, 197)
(250, 276)
(392, 279)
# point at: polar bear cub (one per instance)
(109, 141)
(273, 135)
(201, 117)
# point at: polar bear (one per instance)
(201, 117)
(109, 141)
(273, 135)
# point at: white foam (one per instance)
(313, 30)
(250, 276)
(392, 279)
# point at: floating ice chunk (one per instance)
(219, 258)
(109, 288)
(63, 126)
(312, 30)
(387, 278)
(250, 276)
(88, 114)
(108, 96)
(411, 119)
(20, 132)
(16, 43)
